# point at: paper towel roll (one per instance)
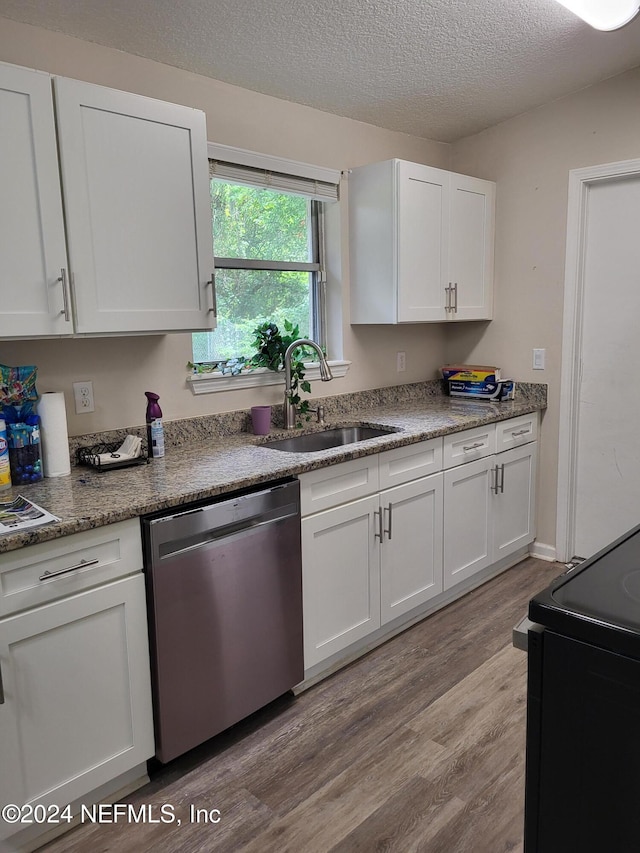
(54, 435)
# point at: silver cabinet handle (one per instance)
(214, 299)
(380, 533)
(455, 301)
(389, 509)
(81, 565)
(447, 290)
(519, 432)
(494, 479)
(472, 446)
(1, 686)
(501, 479)
(65, 295)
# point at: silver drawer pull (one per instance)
(81, 565)
(65, 295)
(377, 514)
(473, 446)
(388, 530)
(520, 432)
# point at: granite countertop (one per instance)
(204, 468)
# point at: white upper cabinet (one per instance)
(471, 239)
(32, 245)
(136, 191)
(137, 211)
(421, 244)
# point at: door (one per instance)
(411, 551)
(513, 502)
(136, 191)
(32, 242)
(77, 710)
(340, 578)
(471, 237)
(467, 520)
(422, 227)
(607, 487)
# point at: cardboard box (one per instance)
(471, 372)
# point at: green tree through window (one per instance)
(254, 227)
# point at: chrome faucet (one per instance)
(325, 375)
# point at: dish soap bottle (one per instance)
(155, 430)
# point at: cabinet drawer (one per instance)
(461, 447)
(516, 431)
(28, 577)
(347, 481)
(403, 464)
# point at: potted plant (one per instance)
(271, 345)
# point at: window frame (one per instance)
(316, 268)
(207, 382)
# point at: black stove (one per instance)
(599, 600)
(583, 707)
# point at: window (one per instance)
(269, 256)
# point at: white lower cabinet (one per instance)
(340, 578)
(411, 546)
(75, 697)
(467, 520)
(513, 499)
(383, 536)
(489, 511)
(367, 561)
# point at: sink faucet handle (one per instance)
(320, 414)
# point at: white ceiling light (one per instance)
(603, 14)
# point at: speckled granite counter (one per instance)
(207, 467)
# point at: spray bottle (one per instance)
(155, 430)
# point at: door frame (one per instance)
(580, 182)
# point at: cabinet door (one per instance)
(513, 505)
(340, 578)
(32, 246)
(77, 698)
(411, 552)
(422, 235)
(136, 191)
(467, 520)
(471, 239)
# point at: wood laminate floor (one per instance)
(419, 746)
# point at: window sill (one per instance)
(211, 383)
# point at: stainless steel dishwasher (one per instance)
(224, 592)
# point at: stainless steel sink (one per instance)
(326, 439)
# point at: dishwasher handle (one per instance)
(208, 537)
(193, 527)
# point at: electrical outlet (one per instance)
(401, 362)
(83, 396)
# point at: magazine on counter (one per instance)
(20, 514)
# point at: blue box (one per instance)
(502, 390)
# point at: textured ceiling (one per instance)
(440, 69)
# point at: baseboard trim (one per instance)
(543, 551)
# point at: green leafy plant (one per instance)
(271, 345)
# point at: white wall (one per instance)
(530, 158)
(123, 368)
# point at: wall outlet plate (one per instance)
(83, 397)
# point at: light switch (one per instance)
(538, 359)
